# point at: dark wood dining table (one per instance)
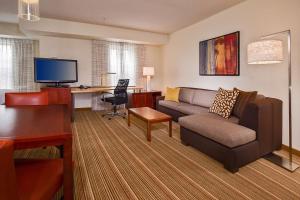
(40, 126)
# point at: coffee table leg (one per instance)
(170, 128)
(149, 131)
(128, 118)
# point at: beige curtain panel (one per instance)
(113, 61)
(17, 64)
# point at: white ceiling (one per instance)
(161, 16)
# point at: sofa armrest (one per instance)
(265, 117)
(158, 98)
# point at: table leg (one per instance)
(170, 128)
(73, 108)
(149, 131)
(61, 151)
(128, 118)
(68, 170)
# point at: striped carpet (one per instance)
(113, 161)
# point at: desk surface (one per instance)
(76, 90)
(24, 124)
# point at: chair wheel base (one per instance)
(113, 114)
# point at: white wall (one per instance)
(253, 19)
(154, 59)
(81, 50)
(76, 49)
(10, 30)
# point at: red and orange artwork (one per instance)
(220, 56)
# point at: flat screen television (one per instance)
(52, 70)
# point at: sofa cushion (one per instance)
(184, 108)
(203, 98)
(224, 102)
(189, 109)
(186, 95)
(243, 99)
(169, 104)
(219, 129)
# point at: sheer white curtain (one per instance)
(17, 64)
(115, 60)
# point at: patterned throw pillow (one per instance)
(224, 102)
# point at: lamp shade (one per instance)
(265, 52)
(29, 10)
(148, 71)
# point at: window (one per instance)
(6, 69)
(16, 64)
(113, 61)
(123, 62)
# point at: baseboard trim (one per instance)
(294, 151)
(85, 108)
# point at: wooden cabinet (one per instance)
(59, 96)
(142, 99)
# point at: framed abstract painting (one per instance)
(220, 56)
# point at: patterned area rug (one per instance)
(113, 161)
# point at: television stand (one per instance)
(59, 85)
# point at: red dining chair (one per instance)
(26, 98)
(28, 179)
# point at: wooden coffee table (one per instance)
(151, 116)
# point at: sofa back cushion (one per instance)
(204, 98)
(243, 99)
(186, 95)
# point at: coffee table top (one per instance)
(150, 114)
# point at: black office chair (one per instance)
(119, 97)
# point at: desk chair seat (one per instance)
(28, 179)
(119, 97)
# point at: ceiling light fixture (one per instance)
(29, 10)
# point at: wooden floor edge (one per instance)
(294, 151)
(83, 108)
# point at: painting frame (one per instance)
(205, 65)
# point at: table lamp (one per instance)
(148, 71)
(270, 51)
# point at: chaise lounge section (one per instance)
(234, 142)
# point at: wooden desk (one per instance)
(39, 126)
(76, 90)
(93, 90)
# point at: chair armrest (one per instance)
(265, 117)
(106, 93)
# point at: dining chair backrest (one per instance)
(26, 99)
